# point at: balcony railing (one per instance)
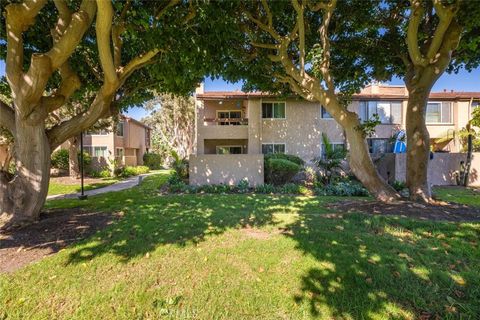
(226, 121)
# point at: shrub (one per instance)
(291, 188)
(344, 189)
(177, 187)
(87, 160)
(398, 185)
(243, 186)
(331, 161)
(153, 160)
(60, 159)
(105, 173)
(265, 188)
(129, 171)
(289, 157)
(280, 171)
(180, 165)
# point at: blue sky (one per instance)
(463, 81)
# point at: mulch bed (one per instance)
(55, 230)
(440, 211)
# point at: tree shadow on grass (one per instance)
(178, 220)
(373, 267)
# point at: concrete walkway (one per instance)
(117, 186)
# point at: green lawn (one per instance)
(249, 257)
(61, 188)
(468, 196)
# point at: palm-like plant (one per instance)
(330, 162)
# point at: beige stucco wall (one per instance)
(442, 168)
(226, 169)
(301, 130)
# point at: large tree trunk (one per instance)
(74, 170)
(364, 169)
(23, 196)
(418, 145)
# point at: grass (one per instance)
(55, 188)
(249, 257)
(469, 196)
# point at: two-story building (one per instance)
(235, 129)
(126, 143)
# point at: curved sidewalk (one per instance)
(117, 186)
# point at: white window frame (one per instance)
(123, 129)
(229, 146)
(367, 116)
(98, 135)
(321, 113)
(92, 150)
(441, 114)
(116, 151)
(275, 143)
(272, 102)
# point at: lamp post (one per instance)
(82, 196)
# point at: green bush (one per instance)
(280, 171)
(153, 160)
(87, 160)
(243, 186)
(129, 171)
(289, 157)
(105, 173)
(180, 165)
(60, 159)
(265, 188)
(344, 189)
(398, 185)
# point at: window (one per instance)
(275, 110)
(119, 131)
(229, 150)
(97, 132)
(119, 152)
(229, 117)
(335, 146)
(389, 112)
(325, 114)
(97, 152)
(379, 145)
(273, 148)
(439, 112)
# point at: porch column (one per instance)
(254, 126)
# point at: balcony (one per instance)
(224, 128)
(225, 122)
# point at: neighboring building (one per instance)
(251, 124)
(127, 143)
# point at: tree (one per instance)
(54, 53)
(285, 47)
(419, 40)
(172, 120)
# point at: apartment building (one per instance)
(127, 143)
(234, 129)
